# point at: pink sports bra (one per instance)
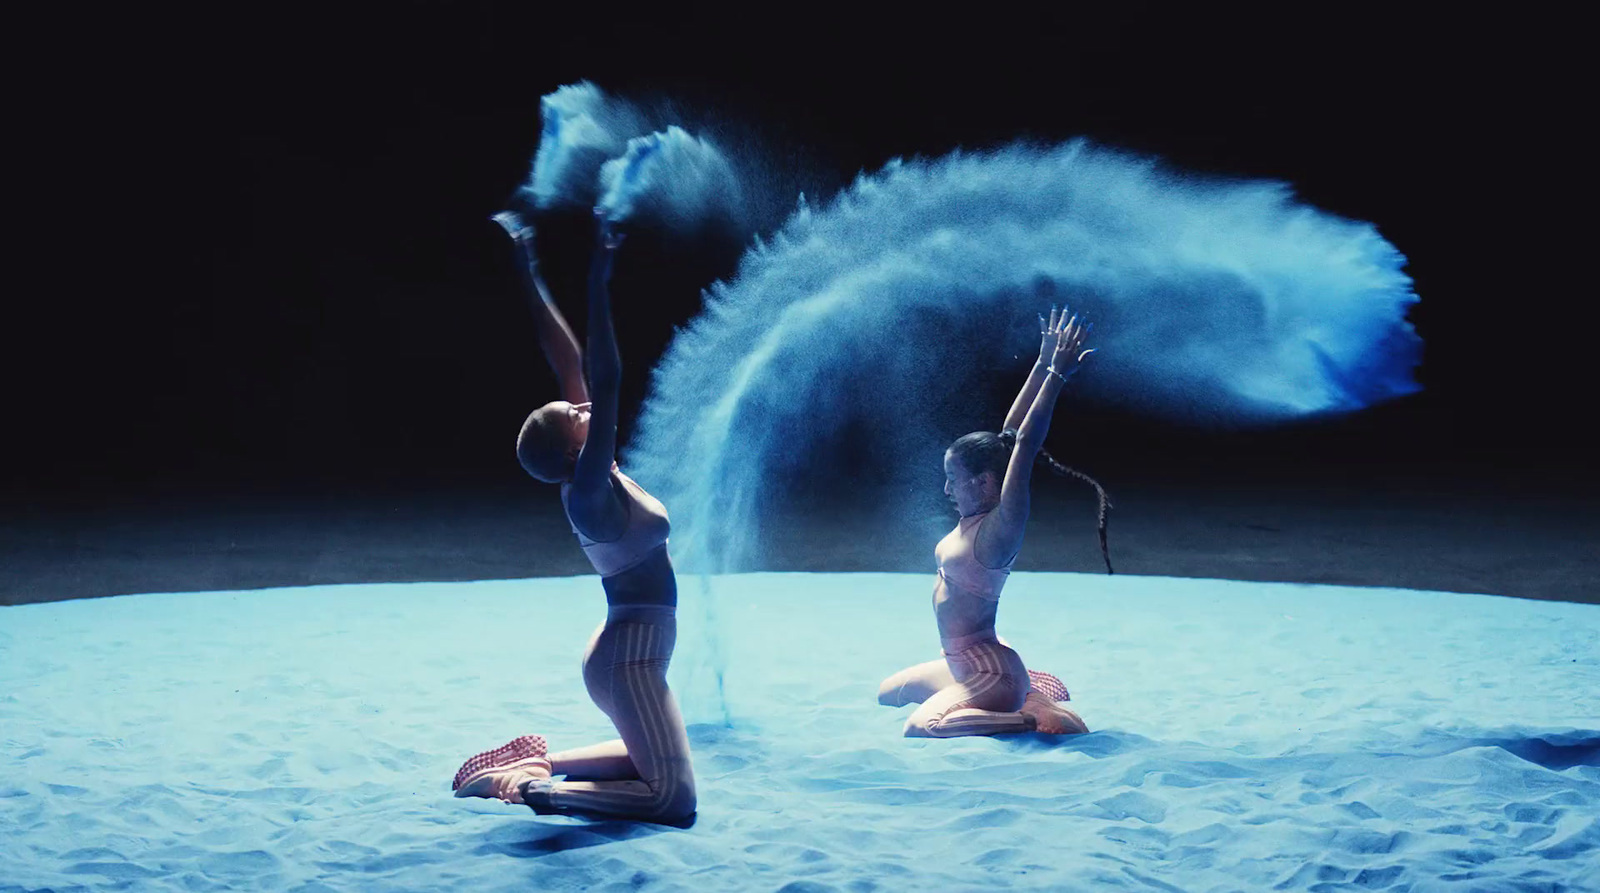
(959, 565)
(647, 530)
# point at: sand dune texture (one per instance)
(1248, 736)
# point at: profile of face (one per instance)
(971, 493)
(575, 417)
(551, 438)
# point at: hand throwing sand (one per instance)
(646, 774)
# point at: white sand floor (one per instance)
(1247, 736)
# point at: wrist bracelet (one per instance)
(1052, 371)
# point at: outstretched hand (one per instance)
(1065, 334)
(1048, 330)
(607, 240)
(606, 233)
(518, 229)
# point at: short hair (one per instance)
(544, 447)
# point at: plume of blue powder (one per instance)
(674, 177)
(581, 129)
(598, 150)
(1215, 301)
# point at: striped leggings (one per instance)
(646, 774)
(977, 688)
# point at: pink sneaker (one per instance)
(1048, 685)
(513, 751)
(506, 782)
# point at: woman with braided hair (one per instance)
(980, 686)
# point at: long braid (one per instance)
(1105, 501)
(986, 451)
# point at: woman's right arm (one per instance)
(555, 336)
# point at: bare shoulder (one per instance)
(998, 539)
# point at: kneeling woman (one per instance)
(980, 686)
(646, 774)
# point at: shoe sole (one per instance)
(515, 750)
(481, 784)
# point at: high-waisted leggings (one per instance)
(977, 688)
(646, 773)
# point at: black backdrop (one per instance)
(260, 253)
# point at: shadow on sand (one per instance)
(542, 838)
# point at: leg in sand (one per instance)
(913, 685)
(918, 684)
(990, 687)
(646, 774)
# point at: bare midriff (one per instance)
(650, 582)
(962, 616)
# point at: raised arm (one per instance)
(1000, 537)
(555, 336)
(1048, 329)
(592, 503)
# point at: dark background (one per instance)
(260, 266)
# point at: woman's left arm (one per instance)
(1000, 537)
(592, 502)
(1048, 330)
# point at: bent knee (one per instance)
(678, 806)
(892, 693)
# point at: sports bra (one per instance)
(959, 565)
(647, 529)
